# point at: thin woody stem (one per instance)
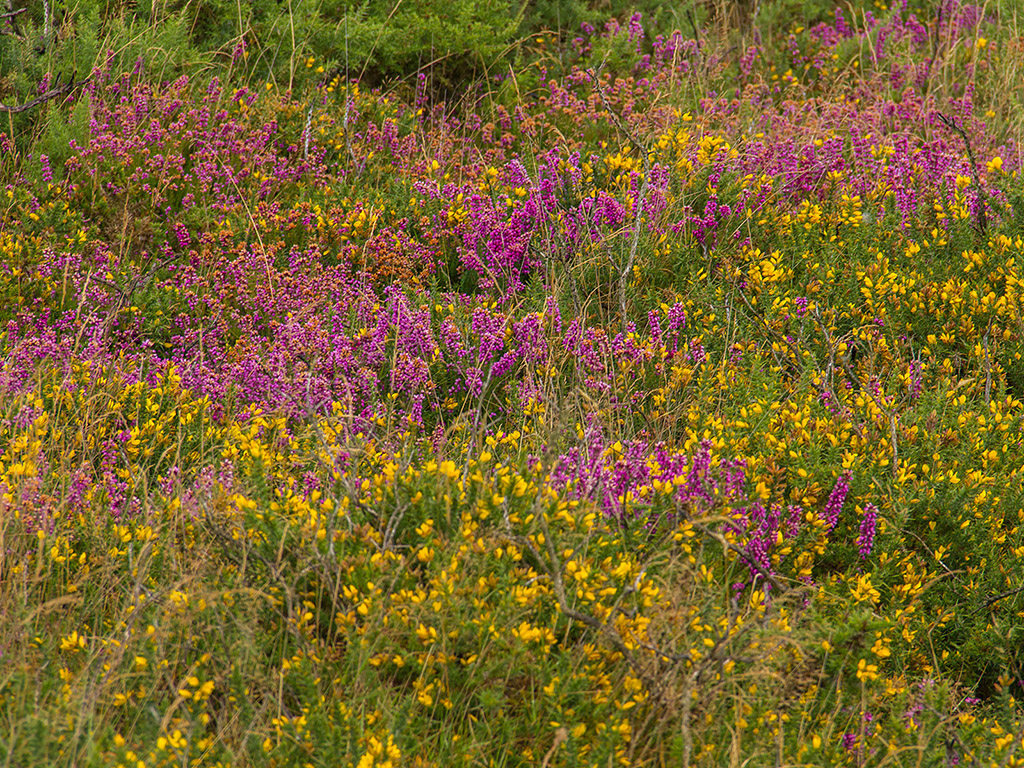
(53, 93)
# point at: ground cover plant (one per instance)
(648, 392)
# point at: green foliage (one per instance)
(452, 40)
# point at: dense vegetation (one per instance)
(470, 384)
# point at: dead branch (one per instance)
(951, 123)
(645, 159)
(53, 93)
(777, 585)
(993, 600)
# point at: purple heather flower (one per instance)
(836, 499)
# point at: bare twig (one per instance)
(53, 93)
(306, 133)
(561, 736)
(951, 123)
(889, 414)
(997, 598)
(552, 568)
(10, 16)
(627, 269)
(776, 584)
(693, 26)
(879, 402)
(988, 366)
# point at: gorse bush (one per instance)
(268, 40)
(655, 400)
(296, 44)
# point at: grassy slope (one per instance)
(658, 403)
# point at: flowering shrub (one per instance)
(668, 413)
